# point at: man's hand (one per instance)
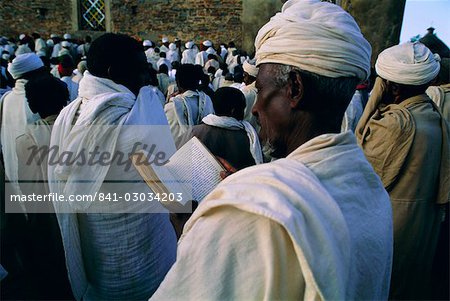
(230, 169)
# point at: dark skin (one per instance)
(397, 93)
(284, 124)
(283, 121)
(248, 79)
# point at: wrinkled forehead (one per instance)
(266, 75)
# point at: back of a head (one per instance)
(46, 95)
(88, 39)
(163, 69)
(229, 102)
(187, 77)
(108, 50)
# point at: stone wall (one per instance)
(21, 16)
(217, 20)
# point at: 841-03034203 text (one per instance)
(100, 197)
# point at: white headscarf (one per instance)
(24, 63)
(251, 69)
(408, 63)
(315, 36)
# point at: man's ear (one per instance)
(296, 88)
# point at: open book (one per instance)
(191, 173)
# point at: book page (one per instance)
(196, 167)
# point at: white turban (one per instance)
(22, 49)
(147, 43)
(53, 35)
(210, 50)
(207, 43)
(408, 64)
(65, 44)
(22, 36)
(67, 36)
(189, 44)
(24, 63)
(315, 36)
(172, 46)
(165, 40)
(250, 69)
(50, 43)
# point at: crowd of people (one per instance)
(335, 187)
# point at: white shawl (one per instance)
(183, 109)
(106, 112)
(231, 123)
(337, 218)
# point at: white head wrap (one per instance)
(50, 43)
(165, 40)
(65, 44)
(207, 43)
(53, 35)
(172, 46)
(24, 63)
(210, 50)
(315, 36)
(6, 56)
(189, 44)
(67, 36)
(147, 43)
(250, 69)
(22, 35)
(22, 49)
(408, 64)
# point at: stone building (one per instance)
(218, 20)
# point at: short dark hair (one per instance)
(108, 50)
(229, 102)
(46, 95)
(163, 69)
(187, 77)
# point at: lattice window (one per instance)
(92, 15)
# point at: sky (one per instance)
(421, 14)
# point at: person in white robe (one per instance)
(202, 57)
(289, 229)
(188, 55)
(172, 54)
(249, 90)
(165, 45)
(114, 251)
(223, 51)
(40, 47)
(189, 106)
(353, 113)
(16, 114)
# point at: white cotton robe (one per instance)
(111, 256)
(315, 225)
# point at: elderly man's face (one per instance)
(273, 112)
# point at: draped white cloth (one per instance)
(315, 36)
(72, 86)
(16, 116)
(185, 110)
(304, 227)
(408, 63)
(251, 69)
(188, 56)
(116, 255)
(231, 123)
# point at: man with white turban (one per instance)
(202, 57)
(188, 55)
(172, 54)
(16, 114)
(315, 224)
(165, 45)
(405, 138)
(249, 90)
